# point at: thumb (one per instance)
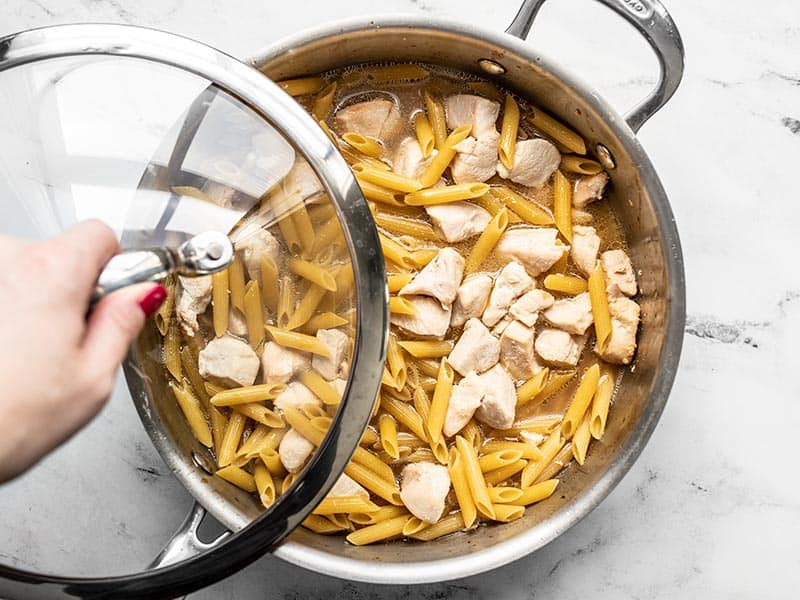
(117, 320)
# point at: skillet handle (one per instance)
(654, 23)
(185, 542)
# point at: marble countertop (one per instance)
(712, 507)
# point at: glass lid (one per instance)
(164, 139)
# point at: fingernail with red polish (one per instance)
(153, 299)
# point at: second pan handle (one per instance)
(654, 23)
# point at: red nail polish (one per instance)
(153, 299)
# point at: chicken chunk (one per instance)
(476, 350)
(534, 162)
(345, 486)
(501, 325)
(255, 243)
(408, 160)
(499, 400)
(469, 109)
(431, 320)
(375, 118)
(423, 489)
(439, 279)
(338, 344)
(471, 298)
(464, 401)
(237, 324)
(302, 180)
(532, 438)
(589, 189)
(228, 361)
(294, 451)
(281, 364)
(476, 159)
(516, 351)
(585, 246)
(193, 299)
(624, 323)
(511, 283)
(618, 270)
(573, 315)
(558, 348)
(296, 395)
(457, 221)
(534, 247)
(527, 308)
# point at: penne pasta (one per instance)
(437, 120)
(505, 513)
(562, 205)
(269, 284)
(304, 228)
(305, 309)
(486, 242)
(472, 433)
(551, 446)
(272, 461)
(485, 89)
(383, 530)
(446, 194)
(558, 132)
(503, 494)
(193, 412)
(525, 450)
(427, 349)
(600, 311)
(580, 441)
(326, 320)
(500, 475)
(254, 313)
(403, 226)
(580, 165)
(259, 413)
(413, 526)
(445, 526)
(397, 363)
(245, 395)
(324, 101)
(566, 284)
(424, 133)
(600, 405)
(388, 430)
(332, 505)
(172, 351)
(395, 252)
(529, 211)
(302, 85)
(366, 145)
(286, 298)
(298, 341)
(398, 72)
(163, 315)
(382, 514)
(396, 281)
(536, 493)
(405, 415)
(477, 484)
(555, 382)
(560, 461)
(378, 193)
(580, 401)
(312, 272)
(440, 401)
(401, 306)
(376, 484)
(238, 477)
(458, 478)
(321, 388)
(219, 301)
(498, 459)
(446, 154)
(508, 132)
(321, 525)
(231, 438)
(386, 179)
(265, 486)
(492, 203)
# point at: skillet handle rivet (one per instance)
(605, 157)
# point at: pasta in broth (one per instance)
(511, 309)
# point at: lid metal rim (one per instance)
(281, 111)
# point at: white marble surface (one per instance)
(712, 507)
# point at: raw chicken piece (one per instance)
(471, 298)
(469, 109)
(618, 272)
(534, 247)
(237, 325)
(585, 245)
(423, 489)
(228, 361)
(464, 401)
(302, 180)
(516, 351)
(573, 315)
(375, 118)
(499, 400)
(589, 189)
(534, 162)
(430, 321)
(297, 396)
(476, 159)
(193, 299)
(624, 323)
(281, 364)
(345, 486)
(338, 344)
(457, 221)
(253, 243)
(558, 348)
(439, 279)
(408, 160)
(476, 350)
(510, 284)
(294, 451)
(527, 308)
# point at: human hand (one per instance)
(57, 367)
